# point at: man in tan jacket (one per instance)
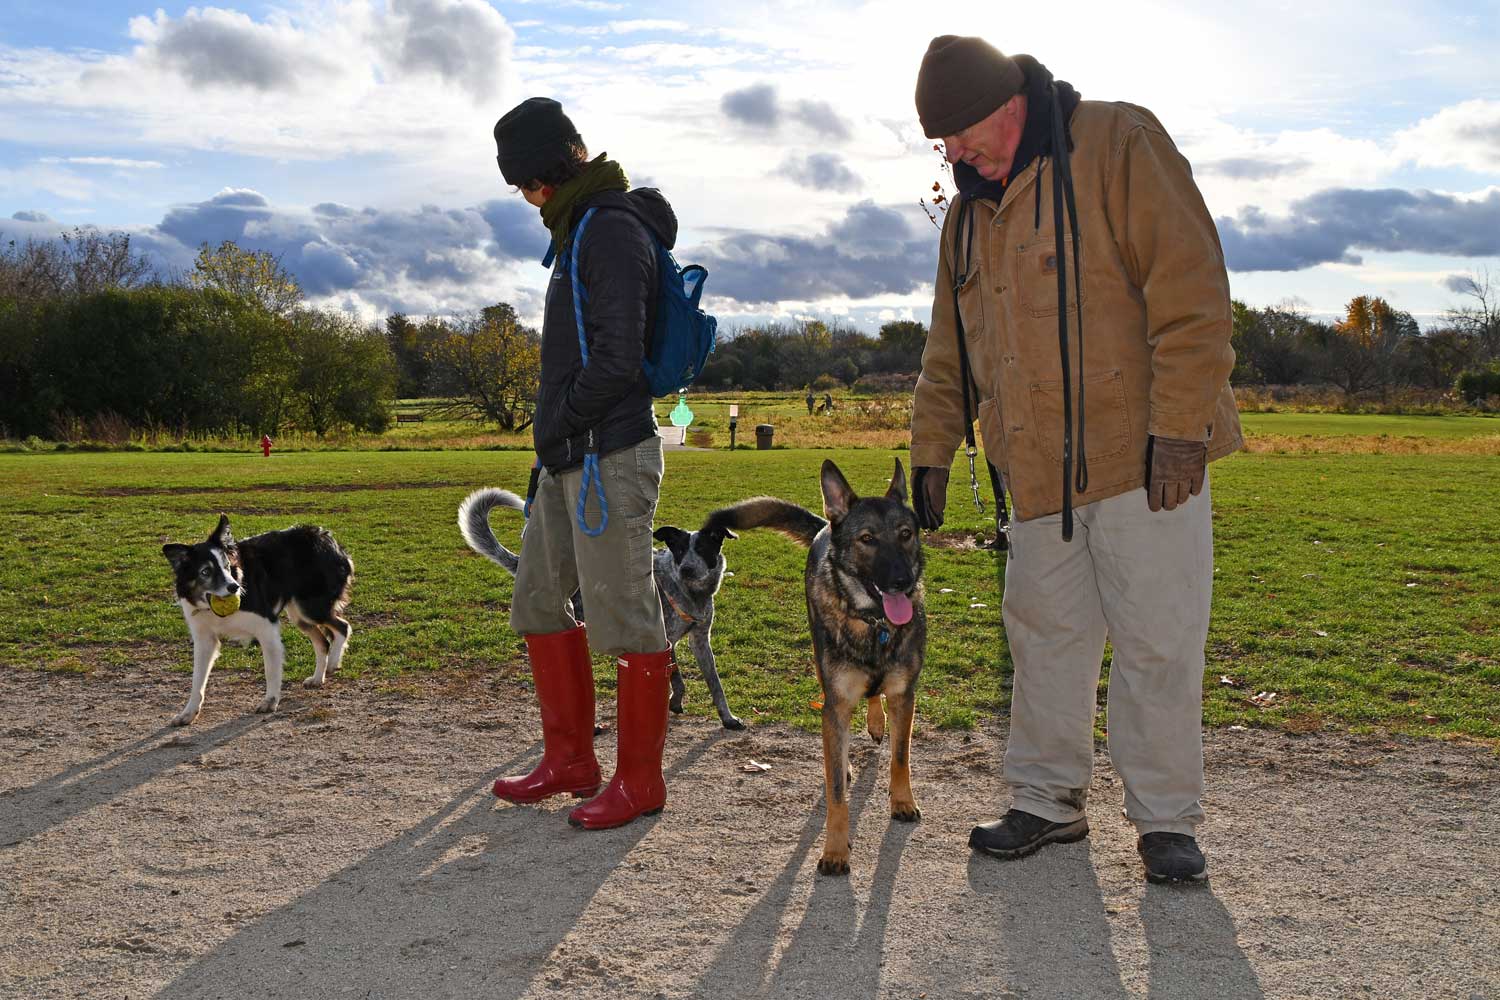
(1082, 288)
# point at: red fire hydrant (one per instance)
(265, 444)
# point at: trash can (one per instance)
(763, 434)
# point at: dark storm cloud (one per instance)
(225, 216)
(380, 254)
(758, 106)
(872, 250)
(213, 47)
(755, 106)
(1332, 225)
(461, 41)
(1248, 168)
(824, 171)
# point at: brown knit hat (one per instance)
(962, 80)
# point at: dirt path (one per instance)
(348, 847)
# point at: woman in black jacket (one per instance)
(594, 424)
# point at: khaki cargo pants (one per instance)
(1144, 581)
(613, 569)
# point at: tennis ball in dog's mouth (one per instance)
(224, 606)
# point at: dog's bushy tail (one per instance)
(474, 522)
(797, 523)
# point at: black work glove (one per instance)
(929, 495)
(1174, 471)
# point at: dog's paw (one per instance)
(733, 722)
(312, 682)
(267, 705)
(906, 812)
(184, 717)
(834, 863)
(876, 735)
(675, 705)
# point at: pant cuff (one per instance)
(1052, 812)
(1142, 828)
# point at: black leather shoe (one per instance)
(1017, 834)
(1172, 857)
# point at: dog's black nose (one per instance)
(899, 580)
(234, 588)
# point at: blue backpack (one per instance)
(684, 335)
(679, 348)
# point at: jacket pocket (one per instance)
(1036, 275)
(992, 431)
(1106, 432)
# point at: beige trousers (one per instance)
(1144, 581)
(613, 569)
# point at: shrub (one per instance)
(1478, 384)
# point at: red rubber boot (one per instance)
(564, 679)
(637, 789)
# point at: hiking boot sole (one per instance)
(1070, 834)
(1197, 879)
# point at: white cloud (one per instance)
(106, 161)
(404, 77)
(1464, 135)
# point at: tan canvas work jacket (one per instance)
(1155, 353)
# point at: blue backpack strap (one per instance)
(591, 474)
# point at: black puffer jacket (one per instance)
(617, 268)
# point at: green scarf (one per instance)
(600, 175)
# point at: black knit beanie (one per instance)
(532, 138)
(962, 80)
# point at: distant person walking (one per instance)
(1081, 286)
(811, 399)
(604, 408)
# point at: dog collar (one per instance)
(680, 613)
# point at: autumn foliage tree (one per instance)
(492, 364)
(253, 275)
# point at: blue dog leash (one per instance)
(591, 474)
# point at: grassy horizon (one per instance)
(1362, 589)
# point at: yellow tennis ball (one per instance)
(224, 606)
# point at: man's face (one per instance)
(989, 145)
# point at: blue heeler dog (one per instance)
(688, 574)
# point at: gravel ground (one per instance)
(348, 846)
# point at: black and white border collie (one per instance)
(300, 570)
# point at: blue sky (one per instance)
(1344, 148)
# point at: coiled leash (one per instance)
(591, 474)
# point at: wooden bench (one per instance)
(408, 418)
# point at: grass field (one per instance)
(1364, 590)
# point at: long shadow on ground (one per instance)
(37, 808)
(471, 902)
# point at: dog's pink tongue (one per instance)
(897, 607)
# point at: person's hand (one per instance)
(929, 495)
(1174, 471)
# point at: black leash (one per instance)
(1062, 189)
(960, 278)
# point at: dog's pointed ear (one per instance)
(675, 538)
(176, 554)
(222, 536)
(837, 496)
(897, 491)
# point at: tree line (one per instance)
(90, 333)
(94, 342)
(1374, 348)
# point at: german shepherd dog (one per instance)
(869, 629)
(300, 570)
(688, 574)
